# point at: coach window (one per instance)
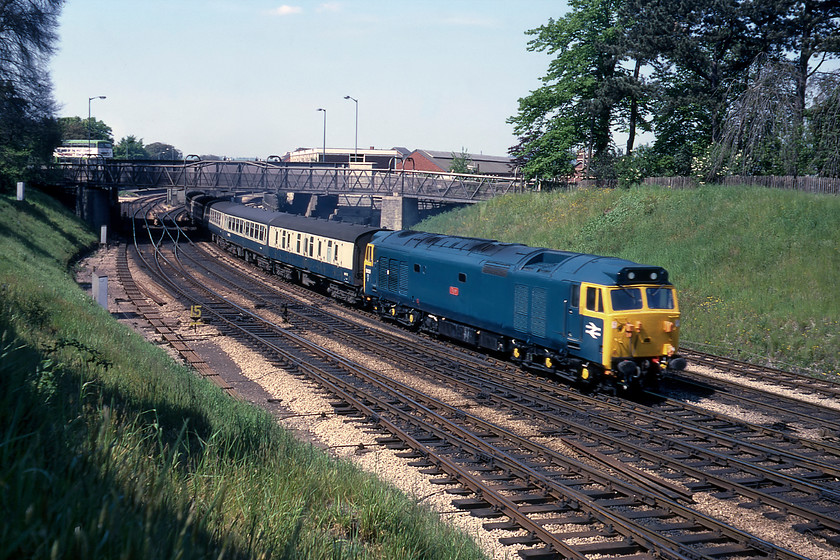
(298, 244)
(594, 302)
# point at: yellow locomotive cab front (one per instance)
(643, 322)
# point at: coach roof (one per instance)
(313, 226)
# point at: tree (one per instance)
(129, 147)
(760, 135)
(580, 99)
(159, 150)
(699, 52)
(462, 163)
(811, 29)
(77, 128)
(824, 129)
(27, 128)
(768, 129)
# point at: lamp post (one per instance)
(325, 132)
(88, 123)
(356, 146)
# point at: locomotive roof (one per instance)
(324, 228)
(497, 258)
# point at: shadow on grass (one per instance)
(63, 483)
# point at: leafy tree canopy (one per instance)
(160, 150)
(691, 73)
(461, 163)
(77, 128)
(129, 147)
(28, 131)
(582, 93)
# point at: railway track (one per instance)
(624, 505)
(821, 386)
(810, 494)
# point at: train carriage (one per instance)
(317, 253)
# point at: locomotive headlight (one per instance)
(631, 275)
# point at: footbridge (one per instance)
(399, 194)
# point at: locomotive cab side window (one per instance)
(462, 277)
(594, 300)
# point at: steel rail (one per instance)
(769, 476)
(662, 546)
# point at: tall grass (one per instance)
(108, 449)
(756, 269)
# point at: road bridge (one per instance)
(399, 191)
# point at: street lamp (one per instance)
(356, 148)
(325, 133)
(88, 123)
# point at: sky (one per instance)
(244, 78)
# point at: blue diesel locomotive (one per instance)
(586, 318)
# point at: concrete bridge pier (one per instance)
(399, 212)
(97, 206)
(322, 206)
(176, 196)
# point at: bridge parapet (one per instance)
(278, 177)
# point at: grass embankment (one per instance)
(108, 449)
(756, 269)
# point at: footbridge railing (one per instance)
(279, 177)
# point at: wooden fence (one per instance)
(823, 185)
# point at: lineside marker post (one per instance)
(99, 287)
(21, 188)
